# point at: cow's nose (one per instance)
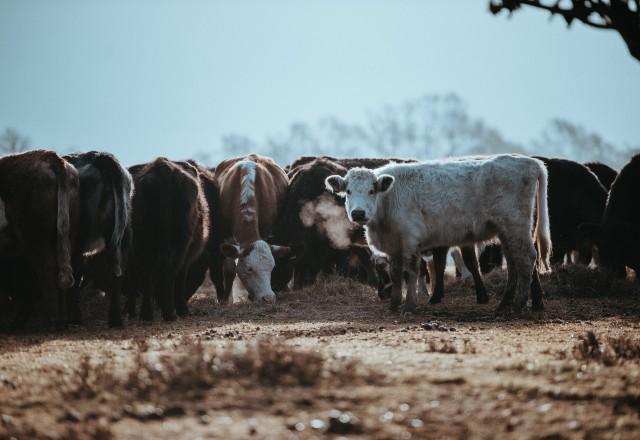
(357, 214)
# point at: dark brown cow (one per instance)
(170, 222)
(251, 191)
(104, 228)
(211, 258)
(38, 212)
(606, 175)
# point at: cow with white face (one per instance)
(412, 208)
(251, 191)
(254, 265)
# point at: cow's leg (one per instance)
(524, 255)
(560, 248)
(194, 277)
(510, 288)
(423, 290)
(148, 289)
(411, 270)
(73, 293)
(471, 262)
(166, 289)
(440, 264)
(396, 263)
(537, 302)
(53, 298)
(228, 275)
(180, 293)
(217, 278)
(115, 290)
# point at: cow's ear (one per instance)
(280, 251)
(336, 184)
(590, 231)
(230, 250)
(384, 183)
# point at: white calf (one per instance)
(409, 208)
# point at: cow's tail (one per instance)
(63, 223)
(121, 186)
(542, 231)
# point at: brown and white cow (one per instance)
(251, 190)
(38, 212)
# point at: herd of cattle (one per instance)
(155, 229)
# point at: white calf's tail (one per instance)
(542, 232)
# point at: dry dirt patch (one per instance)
(332, 361)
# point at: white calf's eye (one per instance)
(349, 192)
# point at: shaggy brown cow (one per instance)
(170, 228)
(104, 228)
(38, 211)
(251, 190)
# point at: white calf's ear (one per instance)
(384, 182)
(336, 184)
(230, 250)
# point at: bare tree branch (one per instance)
(12, 142)
(618, 15)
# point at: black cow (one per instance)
(170, 223)
(617, 236)
(104, 229)
(606, 175)
(575, 196)
(38, 215)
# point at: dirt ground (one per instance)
(332, 361)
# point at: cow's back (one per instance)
(269, 189)
(453, 201)
(163, 204)
(622, 205)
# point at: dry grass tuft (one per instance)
(610, 351)
(195, 366)
(447, 346)
(577, 280)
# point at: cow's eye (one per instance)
(349, 192)
(371, 192)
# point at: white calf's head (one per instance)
(254, 266)
(361, 187)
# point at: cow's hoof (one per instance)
(182, 311)
(268, 299)
(169, 316)
(408, 309)
(537, 306)
(146, 316)
(394, 306)
(483, 299)
(435, 300)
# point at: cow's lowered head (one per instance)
(255, 262)
(361, 187)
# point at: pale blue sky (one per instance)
(148, 78)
